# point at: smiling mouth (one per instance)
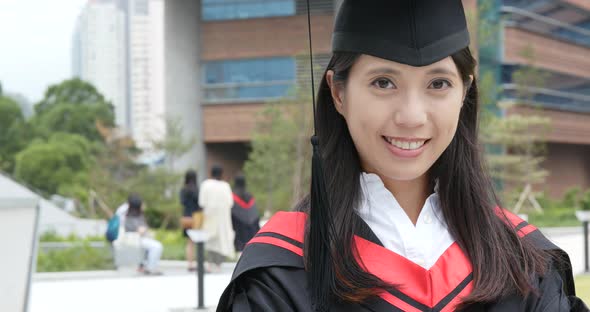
(406, 144)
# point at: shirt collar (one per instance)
(376, 196)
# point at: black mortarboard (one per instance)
(412, 32)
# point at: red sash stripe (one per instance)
(438, 289)
(242, 203)
(280, 236)
(290, 224)
(458, 299)
(427, 287)
(398, 303)
(520, 226)
(276, 242)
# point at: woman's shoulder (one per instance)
(272, 288)
(270, 274)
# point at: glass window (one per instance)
(242, 9)
(253, 79)
(141, 7)
(560, 91)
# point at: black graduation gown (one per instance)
(245, 220)
(270, 276)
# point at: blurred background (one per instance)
(103, 98)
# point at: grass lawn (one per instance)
(583, 287)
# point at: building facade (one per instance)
(118, 47)
(99, 51)
(557, 32)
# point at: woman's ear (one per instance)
(335, 91)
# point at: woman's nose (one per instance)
(410, 113)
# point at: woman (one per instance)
(402, 217)
(244, 214)
(189, 197)
(135, 223)
(215, 197)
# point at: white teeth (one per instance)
(405, 144)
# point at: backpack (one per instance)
(113, 228)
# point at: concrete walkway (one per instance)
(125, 291)
(572, 241)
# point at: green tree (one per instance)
(159, 189)
(60, 163)
(174, 144)
(12, 132)
(514, 142)
(113, 168)
(72, 106)
(161, 185)
(279, 165)
(73, 118)
(73, 91)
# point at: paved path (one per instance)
(572, 241)
(125, 291)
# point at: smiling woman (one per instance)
(400, 117)
(401, 215)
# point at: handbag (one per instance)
(197, 220)
(186, 222)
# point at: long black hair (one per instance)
(502, 263)
(190, 178)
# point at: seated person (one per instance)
(135, 222)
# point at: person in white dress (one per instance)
(215, 197)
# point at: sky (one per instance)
(35, 44)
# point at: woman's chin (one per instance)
(403, 174)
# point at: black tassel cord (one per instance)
(320, 272)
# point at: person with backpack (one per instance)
(135, 222)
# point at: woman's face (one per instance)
(401, 118)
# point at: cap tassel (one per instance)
(320, 273)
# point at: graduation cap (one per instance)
(412, 32)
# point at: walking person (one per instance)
(215, 197)
(189, 198)
(244, 214)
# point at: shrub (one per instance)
(585, 202)
(78, 258)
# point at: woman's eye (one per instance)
(440, 84)
(384, 84)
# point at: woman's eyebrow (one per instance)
(441, 71)
(384, 71)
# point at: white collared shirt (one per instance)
(423, 243)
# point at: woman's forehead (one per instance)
(367, 64)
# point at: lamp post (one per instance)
(199, 237)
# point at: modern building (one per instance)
(146, 69)
(99, 51)
(558, 34)
(118, 47)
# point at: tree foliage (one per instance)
(12, 132)
(60, 163)
(74, 91)
(279, 165)
(514, 142)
